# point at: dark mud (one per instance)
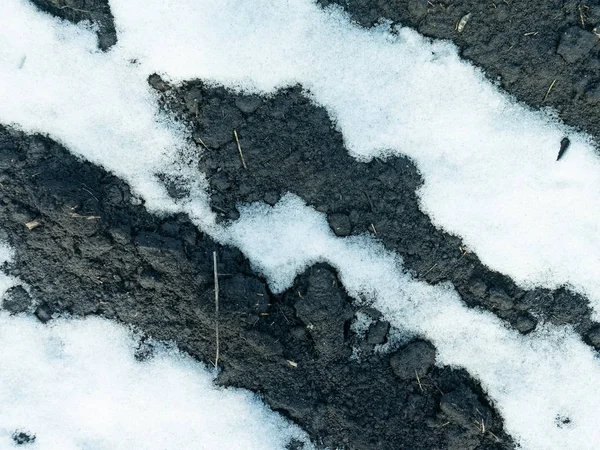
(290, 145)
(89, 250)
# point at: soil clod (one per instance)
(17, 300)
(23, 437)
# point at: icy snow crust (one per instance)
(488, 165)
(76, 384)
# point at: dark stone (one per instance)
(22, 438)
(378, 332)
(43, 313)
(340, 224)
(525, 324)
(564, 145)
(373, 313)
(158, 83)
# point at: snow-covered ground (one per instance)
(76, 384)
(488, 165)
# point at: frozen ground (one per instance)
(488, 164)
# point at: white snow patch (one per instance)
(76, 384)
(533, 380)
(489, 165)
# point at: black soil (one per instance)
(84, 248)
(290, 145)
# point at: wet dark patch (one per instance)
(157, 274)
(290, 145)
(94, 11)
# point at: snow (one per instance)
(76, 384)
(533, 380)
(99, 105)
(488, 165)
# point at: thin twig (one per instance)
(430, 269)
(284, 316)
(216, 276)
(549, 89)
(74, 9)
(419, 381)
(494, 436)
(86, 189)
(199, 139)
(239, 148)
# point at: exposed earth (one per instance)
(95, 250)
(85, 249)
